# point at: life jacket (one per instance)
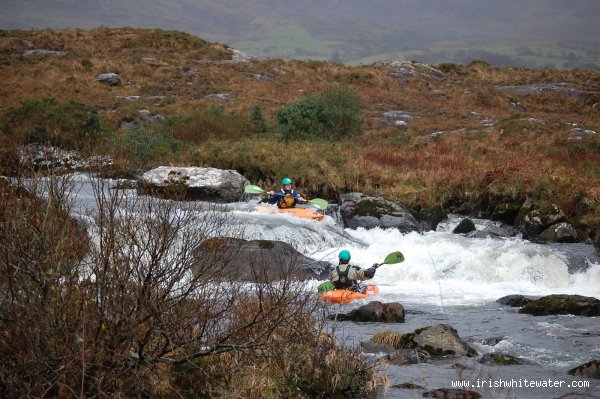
(343, 281)
(287, 200)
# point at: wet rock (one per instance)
(596, 242)
(193, 183)
(377, 312)
(359, 210)
(255, 260)
(563, 304)
(407, 385)
(465, 226)
(506, 212)
(538, 220)
(501, 359)
(448, 393)
(402, 357)
(560, 232)
(441, 340)
(515, 301)
(110, 79)
(588, 370)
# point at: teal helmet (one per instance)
(345, 255)
(286, 180)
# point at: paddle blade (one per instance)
(250, 189)
(320, 203)
(326, 286)
(394, 257)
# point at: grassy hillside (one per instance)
(353, 30)
(486, 150)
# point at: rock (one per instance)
(515, 105)
(221, 96)
(492, 341)
(590, 369)
(465, 226)
(240, 56)
(39, 53)
(359, 210)
(145, 117)
(407, 385)
(373, 347)
(561, 88)
(402, 357)
(144, 98)
(515, 300)
(255, 260)
(396, 118)
(501, 359)
(263, 78)
(111, 79)
(377, 312)
(36, 157)
(596, 242)
(560, 232)
(193, 183)
(448, 393)
(403, 70)
(563, 304)
(506, 213)
(538, 220)
(441, 340)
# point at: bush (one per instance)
(142, 146)
(333, 114)
(46, 121)
(121, 315)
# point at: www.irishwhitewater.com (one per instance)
(520, 383)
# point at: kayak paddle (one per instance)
(392, 258)
(318, 202)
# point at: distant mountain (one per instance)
(562, 33)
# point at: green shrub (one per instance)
(46, 121)
(333, 114)
(143, 147)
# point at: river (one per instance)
(451, 279)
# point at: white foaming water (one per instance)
(448, 269)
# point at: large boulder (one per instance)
(359, 210)
(437, 341)
(465, 226)
(193, 183)
(540, 219)
(563, 304)
(376, 311)
(255, 260)
(515, 300)
(560, 232)
(597, 242)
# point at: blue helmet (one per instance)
(345, 255)
(286, 180)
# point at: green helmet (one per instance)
(286, 180)
(345, 255)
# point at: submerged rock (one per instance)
(465, 226)
(501, 359)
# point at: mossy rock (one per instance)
(563, 304)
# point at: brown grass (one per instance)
(536, 160)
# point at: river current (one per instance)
(451, 279)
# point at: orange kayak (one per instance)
(346, 296)
(305, 213)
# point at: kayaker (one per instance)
(285, 197)
(347, 277)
